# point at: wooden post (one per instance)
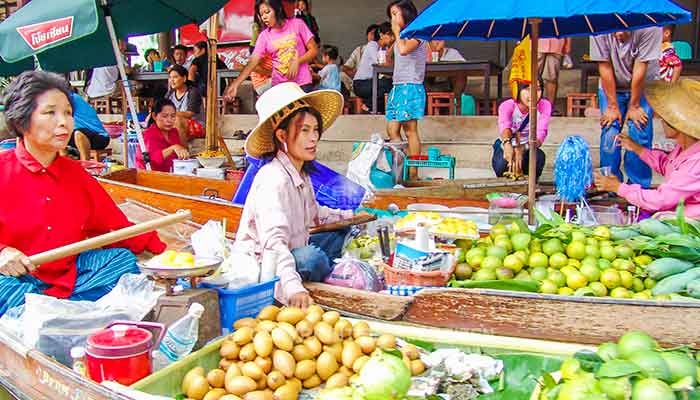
(532, 167)
(212, 110)
(165, 40)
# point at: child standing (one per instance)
(329, 74)
(406, 102)
(670, 65)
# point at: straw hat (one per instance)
(278, 102)
(677, 103)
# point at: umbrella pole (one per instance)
(532, 162)
(125, 82)
(212, 94)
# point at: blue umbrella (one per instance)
(515, 19)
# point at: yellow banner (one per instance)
(521, 66)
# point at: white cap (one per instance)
(196, 310)
(77, 352)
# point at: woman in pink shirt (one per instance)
(162, 139)
(289, 43)
(510, 151)
(678, 105)
(281, 206)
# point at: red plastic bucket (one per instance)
(122, 351)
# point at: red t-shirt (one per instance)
(155, 143)
(45, 208)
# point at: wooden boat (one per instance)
(588, 320)
(207, 198)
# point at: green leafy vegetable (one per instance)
(521, 373)
(617, 369)
(590, 361)
(514, 285)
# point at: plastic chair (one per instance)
(683, 49)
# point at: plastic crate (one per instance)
(443, 161)
(244, 302)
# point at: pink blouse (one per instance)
(510, 117)
(681, 170)
(279, 210)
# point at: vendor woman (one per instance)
(281, 205)
(678, 105)
(48, 201)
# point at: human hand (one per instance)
(293, 70)
(637, 116)
(230, 92)
(611, 114)
(508, 152)
(301, 300)
(606, 183)
(629, 144)
(181, 152)
(14, 263)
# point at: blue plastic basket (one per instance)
(244, 302)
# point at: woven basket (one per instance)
(396, 276)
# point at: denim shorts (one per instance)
(406, 102)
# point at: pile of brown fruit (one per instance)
(285, 350)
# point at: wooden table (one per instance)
(467, 68)
(163, 76)
(590, 68)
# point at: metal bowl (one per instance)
(203, 267)
(211, 162)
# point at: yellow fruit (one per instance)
(259, 395)
(262, 342)
(284, 363)
(367, 344)
(240, 385)
(360, 329)
(359, 363)
(314, 345)
(312, 382)
(305, 328)
(301, 352)
(336, 350)
(266, 325)
(286, 392)
(186, 380)
(386, 342)
(275, 379)
(305, 369)
(351, 352)
(247, 353)
(410, 351)
(269, 313)
(282, 340)
(325, 333)
(216, 378)
(265, 363)
(243, 336)
(343, 328)
(331, 317)
(417, 367)
(167, 259)
(252, 370)
(326, 365)
(183, 259)
(337, 380)
(249, 322)
(215, 394)
(576, 280)
(229, 349)
(291, 315)
(291, 331)
(565, 291)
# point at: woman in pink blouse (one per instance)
(510, 151)
(281, 205)
(678, 105)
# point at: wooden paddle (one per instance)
(356, 220)
(109, 238)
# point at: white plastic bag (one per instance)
(359, 167)
(210, 240)
(54, 326)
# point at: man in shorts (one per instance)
(549, 55)
(89, 133)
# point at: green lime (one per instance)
(491, 262)
(538, 259)
(591, 241)
(578, 236)
(558, 260)
(610, 278)
(538, 273)
(557, 277)
(626, 279)
(576, 280)
(620, 293)
(513, 263)
(503, 241)
(497, 251)
(638, 285)
(498, 229)
(593, 262)
(504, 274)
(521, 241)
(568, 270)
(548, 287)
(604, 264)
(593, 251)
(565, 291)
(570, 368)
(574, 263)
(598, 289)
(608, 253)
(535, 245)
(485, 274)
(591, 272)
(649, 283)
(624, 251)
(602, 232)
(552, 246)
(523, 255)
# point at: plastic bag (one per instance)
(360, 166)
(54, 326)
(241, 268)
(210, 240)
(353, 273)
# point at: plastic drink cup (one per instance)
(435, 56)
(157, 66)
(604, 171)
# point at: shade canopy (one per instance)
(508, 19)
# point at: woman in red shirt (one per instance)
(162, 139)
(48, 201)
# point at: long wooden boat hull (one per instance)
(457, 193)
(170, 193)
(587, 320)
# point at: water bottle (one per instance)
(179, 338)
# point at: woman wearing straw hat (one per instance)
(281, 205)
(678, 105)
